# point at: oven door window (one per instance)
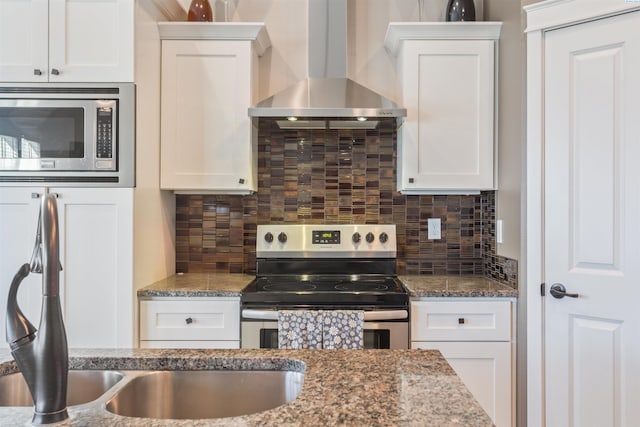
(373, 338)
(42, 133)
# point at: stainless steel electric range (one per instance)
(325, 267)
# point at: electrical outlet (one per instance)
(499, 236)
(434, 228)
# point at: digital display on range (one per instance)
(325, 237)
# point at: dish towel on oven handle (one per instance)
(343, 329)
(329, 329)
(298, 329)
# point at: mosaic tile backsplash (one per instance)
(338, 176)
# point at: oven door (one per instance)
(384, 329)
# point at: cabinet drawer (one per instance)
(190, 320)
(460, 321)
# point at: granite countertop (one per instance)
(198, 285)
(231, 285)
(456, 286)
(341, 387)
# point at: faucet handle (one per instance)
(18, 327)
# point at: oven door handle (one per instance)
(369, 316)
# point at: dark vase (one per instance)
(200, 10)
(461, 10)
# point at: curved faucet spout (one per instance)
(18, 328)
(42, 355)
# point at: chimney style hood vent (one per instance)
(327, 92)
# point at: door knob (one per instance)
(559, 291)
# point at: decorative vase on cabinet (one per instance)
(200, 10)
(461, 10)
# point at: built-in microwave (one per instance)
(67, 134)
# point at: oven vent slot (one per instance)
(66, 90)
(83, 179)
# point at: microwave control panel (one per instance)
(104, 136)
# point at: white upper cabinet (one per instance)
(66, 41)
(447, 75)
(209, 80)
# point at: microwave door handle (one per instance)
(369, 316)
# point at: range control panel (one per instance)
(326, 240)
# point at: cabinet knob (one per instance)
(55, 71)
(460, 320)
(241, 180)
(37, 72)
(411, 180)
(188, 320)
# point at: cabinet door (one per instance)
(447, 139)
(18, 224)
(96, 245)
(485, 368)
(23, 40)
(206, 132)
(91, 40)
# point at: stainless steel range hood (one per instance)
(327, 92)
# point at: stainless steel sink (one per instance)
(204, 394)
(84, 386)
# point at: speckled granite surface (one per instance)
(341, 387)
(231, 285)
(456, 286)
(198, 285)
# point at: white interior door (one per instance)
(592, 223)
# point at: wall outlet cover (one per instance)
(434, 229)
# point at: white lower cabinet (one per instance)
(190, 322)
(96, 253)
(476, 339)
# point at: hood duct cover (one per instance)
(327, 92)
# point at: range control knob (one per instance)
(383, 237)
(356, 237)
(370, 237)
(268, 237)
(282, 237)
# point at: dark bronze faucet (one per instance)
(42, 355)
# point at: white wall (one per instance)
(154, 210)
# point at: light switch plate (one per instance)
(434, 229)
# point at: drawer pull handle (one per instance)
(188, 320)
(460, 320)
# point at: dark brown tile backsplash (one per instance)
(338, 176)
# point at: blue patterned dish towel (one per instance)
(298, 329)
(329, 329)
(343, 329)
